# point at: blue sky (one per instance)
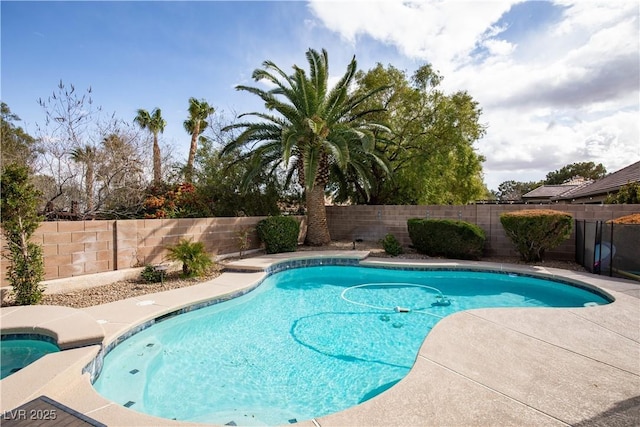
(558, 81)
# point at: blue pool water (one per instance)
(307, 342)
(16, 353)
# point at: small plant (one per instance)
(279, 234)
(244, 239)
(20, 219)
(194, 257)
(391, 245)
(533, 231)
(151, 275)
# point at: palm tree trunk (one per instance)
(317, 230)
(157, 161)
(188, 174)
(90, 179)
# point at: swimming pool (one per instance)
(307, 342)
(20, 350)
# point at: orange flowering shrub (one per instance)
(179, 201)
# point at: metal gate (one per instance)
(609, 249)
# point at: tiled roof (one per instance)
(549, 191)
(611, 182)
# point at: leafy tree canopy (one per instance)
(17, 145)
(429, 146)
(587, 170)
(220, 182)
(513, 190)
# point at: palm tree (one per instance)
(195, 125)
(155, 124)
(314, 128)
(89, 156)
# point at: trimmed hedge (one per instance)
(279, 234)
(533, 231)
(445, 237)
(627, 219)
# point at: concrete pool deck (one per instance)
(507, 366)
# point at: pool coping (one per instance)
(456, 378)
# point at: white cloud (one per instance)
(564, 92)
(443, 33)
(499, 47)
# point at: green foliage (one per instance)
(391, 245)
(219, 182)
(587, 170)
(151, 275)
(445, 237)
(19, 206)
(195, 260)
(244, 239)
(308, 129)
(279, 234)
(17, 145)
(199, 111)
(533, 231)
(429, 145)
(628, 194)
(155, 124)
(513, 190)
(175, 201)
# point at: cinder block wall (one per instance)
(75, 248)
(371, 223)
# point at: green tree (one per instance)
(587, 170)
(430, 146)
(155, 124)
(220, 182)
(628, 194)
(199, 111)
(17, 145)
(312, 129)
(20, 219)
(513, 190)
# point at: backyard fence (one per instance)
(76, 248)
(609, 249)
(367, 222)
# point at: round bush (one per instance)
(533, 231)
(279, 234)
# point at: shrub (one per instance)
(195, 259)
(445, 237)
(627, 219)
(533, 231)
(20, 219)
(391, 245)
(628, 194)
(244, 239)
(279, 234)
(150, 274)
